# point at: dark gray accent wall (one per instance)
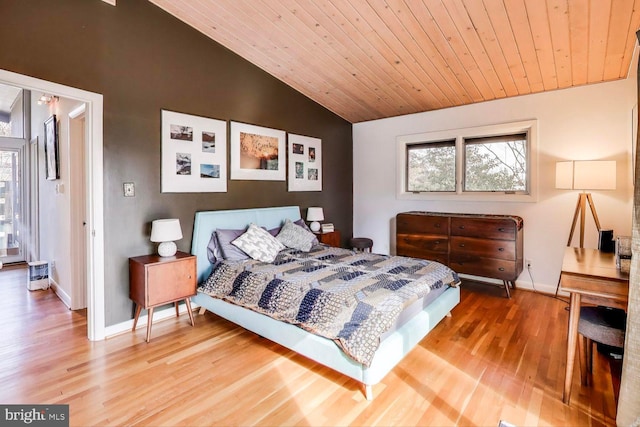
(143, 60)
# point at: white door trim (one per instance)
(78, 196)
(95, 208)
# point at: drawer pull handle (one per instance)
(501, 229)
(461, 227)
(437, 225)
(461, 245)
(501, 268)
(501, 249)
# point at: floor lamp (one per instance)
(585, 175)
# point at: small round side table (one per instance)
(362, 244)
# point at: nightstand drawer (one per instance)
(170, 281)
(332, 238)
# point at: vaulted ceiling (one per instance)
(370, 59)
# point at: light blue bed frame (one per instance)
(322, 350)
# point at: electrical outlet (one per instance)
(528, 263)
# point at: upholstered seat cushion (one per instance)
(602, 324)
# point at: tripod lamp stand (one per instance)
(585, 175)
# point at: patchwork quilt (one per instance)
(350, 297)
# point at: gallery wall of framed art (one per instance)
(305, 163)
(194, 153)
(257, 153)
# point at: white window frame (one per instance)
(528, 126)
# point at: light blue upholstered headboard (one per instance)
(206, 223)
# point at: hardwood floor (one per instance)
(495, 359)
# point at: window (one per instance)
(496, 163)
(489, 163)
(431, 166)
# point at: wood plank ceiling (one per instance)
(370, 59)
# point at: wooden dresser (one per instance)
(479, 245)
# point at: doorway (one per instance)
(93, 197)
(13, 204)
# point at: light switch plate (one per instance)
(129, 189)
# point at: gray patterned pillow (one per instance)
(296, 237)
(259, 244)
(302, 224)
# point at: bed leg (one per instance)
(368, 391)
(202, 310)
(449, 315)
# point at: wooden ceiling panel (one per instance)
(370, 59)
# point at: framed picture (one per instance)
(52, 165)
(194, 154)
(257, 153)
(305, 163)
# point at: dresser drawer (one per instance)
(487, 248)
(434, 248)
(486, 267)
(484, 228)
(422, 242)
(435, 225)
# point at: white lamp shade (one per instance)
(315, 214)
(594, 175)
(166, 230)
(564, 175)
(586, 175)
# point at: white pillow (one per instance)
(259, 244)
(296, 237)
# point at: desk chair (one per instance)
(600, 324)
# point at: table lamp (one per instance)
(166, 231)
(315, 214)
(585, 175)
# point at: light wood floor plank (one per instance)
(494, 359)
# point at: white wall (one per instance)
(54, 196)
(584, 123)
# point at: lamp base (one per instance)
(166, 249)
(315, 226)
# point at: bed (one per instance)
(413, 324)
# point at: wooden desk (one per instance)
(590, 276)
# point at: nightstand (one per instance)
(156, 280)
(332, 238)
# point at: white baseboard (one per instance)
(64, 297)
(158, 315)
(544, 288)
